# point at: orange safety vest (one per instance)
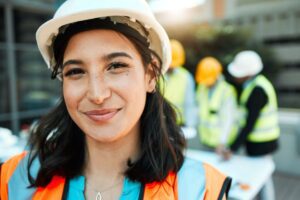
(216, 185)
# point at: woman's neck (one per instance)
(107, 162)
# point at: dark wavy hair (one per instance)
(59, 143)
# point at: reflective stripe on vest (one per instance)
(174, 89)
(54, 190)
(14, 175)
(7, 171)
(208, 110)
(154, 191)
(215, 184)
(266, 127)
(166, 190)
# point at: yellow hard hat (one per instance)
(178, 54)
(208, 71)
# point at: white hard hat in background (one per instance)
(245, 63)
(79, 10)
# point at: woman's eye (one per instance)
(117, 67)
(73, 72)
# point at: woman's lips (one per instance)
(101, 115)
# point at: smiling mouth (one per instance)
(101, 115)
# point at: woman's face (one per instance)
(105, 84)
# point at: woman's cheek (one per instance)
(73, 91)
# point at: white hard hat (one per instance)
(128, 11)
(245, 63)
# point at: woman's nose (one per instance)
(98, 90)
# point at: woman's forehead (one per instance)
(100, 40)
(105, 36)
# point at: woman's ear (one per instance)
(151, 76)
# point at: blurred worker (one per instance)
(179, 87)
(258, 124)
(216, 105)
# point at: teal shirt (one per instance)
(191, 184)
(131, 190)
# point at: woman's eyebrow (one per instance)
(71, 62)
(117, 54)
(106, 57)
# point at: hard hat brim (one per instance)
(50, 29)
(207, 81)
(235, 72)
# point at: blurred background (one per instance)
(205, 27)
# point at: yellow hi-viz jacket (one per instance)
(208, 111)
(266, 127)
(174, 91)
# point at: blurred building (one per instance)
(26, 91)
(275, 23)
